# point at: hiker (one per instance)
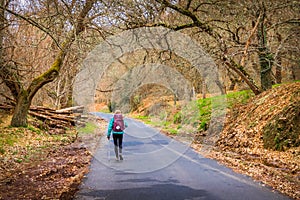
(116, 127)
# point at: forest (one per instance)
(224, 73)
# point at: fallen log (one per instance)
(62, 118)
(6, 107)
(74, 109)
(57, 120)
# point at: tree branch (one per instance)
(175, 28)
(53, 71)
(189, 14)
(242, 63)
(33, 23)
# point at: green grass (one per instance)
(277, 85)
(198, 113)
(146, 119)
(104, 110)
(172, 131)
(240, 97)
(7, 139)
(89, 127)
(217, 105)
(142, 117)
(33, 129)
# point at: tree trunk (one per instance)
(265, 56)
(24, 97)
(278, 73)
(19, 118)
(242, 73)
(2, 20)
(265, 70)
(204, 89)
(277, 57)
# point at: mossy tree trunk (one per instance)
(21, 110)
(265, 56)
(24, 96)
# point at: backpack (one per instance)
(119, 124)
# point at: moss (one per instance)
(282, 132)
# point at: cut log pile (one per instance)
(62, 118)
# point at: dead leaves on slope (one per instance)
(241, 144)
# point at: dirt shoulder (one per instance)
(35, 165)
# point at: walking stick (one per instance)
(108, 150)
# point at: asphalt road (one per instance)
(156, 167)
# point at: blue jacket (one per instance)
(110, 127)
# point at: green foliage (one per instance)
(205, 109)
(145, 119)
(166, 123)
(177, 118)
(198, 113)
(203, 126)
(280, 84)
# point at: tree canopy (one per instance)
(254, 43)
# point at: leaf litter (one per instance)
(38, 165)
(242, 143)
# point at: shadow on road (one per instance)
(157, 192)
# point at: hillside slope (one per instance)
(261, 139)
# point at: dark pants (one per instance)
(118, 140)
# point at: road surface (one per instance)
(156, 167)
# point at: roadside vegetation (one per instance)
(197, 112)
(260, 138)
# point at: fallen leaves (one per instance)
(58, 173)
(37, 165)
(241, 146)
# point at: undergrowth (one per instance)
(197, 113)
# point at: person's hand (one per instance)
(108, 137)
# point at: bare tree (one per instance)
(237, 33)
(9, 70)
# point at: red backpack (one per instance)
(119, 124)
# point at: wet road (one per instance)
(159, 168)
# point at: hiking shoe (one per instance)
(121, 157)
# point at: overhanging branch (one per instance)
(33, 23)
